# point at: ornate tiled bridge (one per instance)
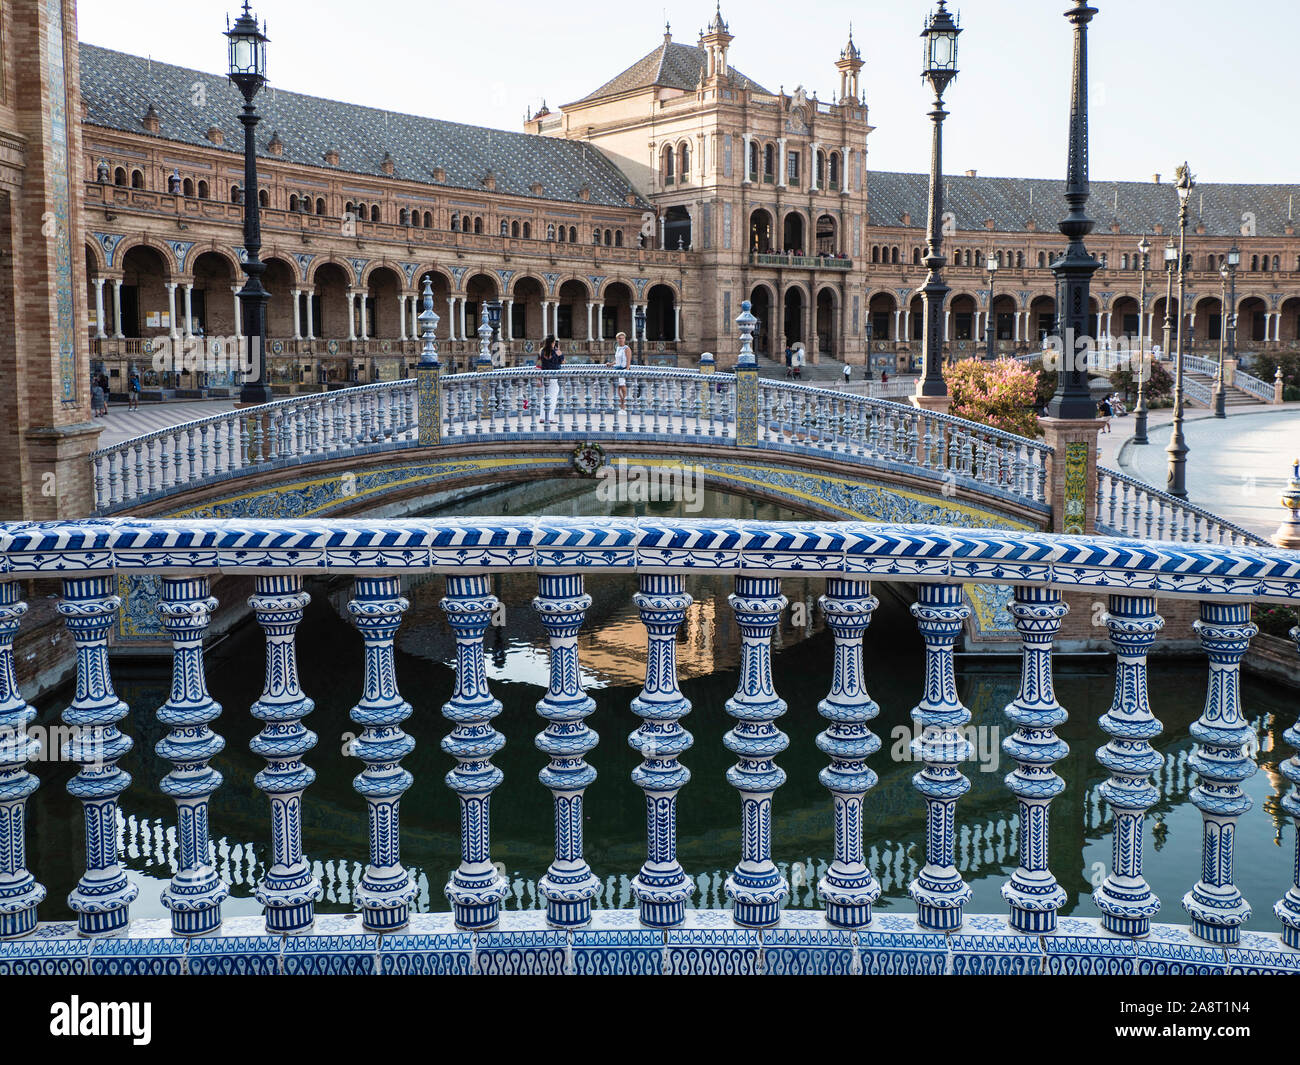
(661, 935)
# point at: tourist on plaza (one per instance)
(796, 362)
(1107, 412)
(789, 354)
(98, 399)
(551, 358)
(133, 389)
(884, 377)
(848, 374)
(622, 360)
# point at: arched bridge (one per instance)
(827, 453)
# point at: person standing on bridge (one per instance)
(622, 360)
(551, 358)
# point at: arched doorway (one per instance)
(794, 316)
(826, 331)
(144, 293)
(1253, 322)
(526, 314)
(760, 232)
(616, 313)
(661, 317)
(382, 289)
(1042, 318)
(329, 314)
(479, 290)
(574, 319)
(760, 301)
(792, 234)
(213, 299)
(677, 229)
(1002, 321)
(827, 241)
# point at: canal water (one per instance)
(612, 654)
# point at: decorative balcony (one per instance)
(801, 262)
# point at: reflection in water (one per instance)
(612, 652)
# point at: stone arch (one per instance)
(216, 273)
(617, 313)
(826, 313)
(96, 261)
(570, 323)
(794, 232)
(762, 299)
(145, 272)
(382, 284)
(172, 270)
(795, 299)
(528, 291)
(827, 234)
(760, 231)
(661, 307)
(342, 264)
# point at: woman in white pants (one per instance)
(622, 360)
(551, 358)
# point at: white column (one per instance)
(171, 309)
(99, 308)
(415, 317)
(812, 165)
(189, 309)
(663, 232)
(600, 321)
(780, 177)
(451, 317)
(117, 309)
(545, 305)
(239, 311)
(947, 319)
(510, 319)
(590, 307)
(311, 315)
(401, 314)
(297, 314)
(352, 315)
(677, 321)
(1277, 326)
(749, 178)
(464, 306)
(365, 315)
(846, 158)
(898, 332)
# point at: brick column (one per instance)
(1072, 474)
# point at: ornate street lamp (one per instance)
(1074, 269)
(639, 318)
(1171, 262)
(248, 71)
(940, 37)
(1176, 484)
(1140, 411)
(992, 266)
(1230, 319)
(1219, 404)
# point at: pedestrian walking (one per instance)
(884, 377)
(1107, 412)
(848, 375)
(133, 389)
(796, 362)
(622, 360)
(551, 358)
(789, 360)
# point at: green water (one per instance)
(612, 652)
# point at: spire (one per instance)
(716, 40)
(851, 50)
(668, 32)
(849, 65)
(718, 26)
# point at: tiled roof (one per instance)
(1138, 206)
(670, 66)
(118, 88)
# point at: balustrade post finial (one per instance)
(661, 887)
(102, 898)
(1032, 892)
(196, 892)
(428, 375)
(1215, 904)
(569, 885)
(939, 891)
(746, 380)
(1287, 908)
(1124, 898)
(428, 321)
(756, 887)
(20, 894)
(387, 889)
(476, 888)
(848, 888)
(1288, 533)
(288, 889)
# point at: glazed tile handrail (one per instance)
(250, 439)
(89, 557)
(664, 406)
(1128, 507)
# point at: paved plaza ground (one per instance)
(1236, 466)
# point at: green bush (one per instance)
(1158, 386)
(1291, 393)
(1276, 620)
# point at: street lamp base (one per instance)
(1140, 427)
(1220, 403)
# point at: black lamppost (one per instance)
(992, 267)
(1140, 411)
(639, 319)
(248, 72)
(1176, 483)
(1219, 411)
(1074, 269)
(493, 308)
(940, 36)
(1171, 262)
(1229, 328)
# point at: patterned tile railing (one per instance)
(1253, 386)
(661, 935)
(1128, 507)
(576, 404)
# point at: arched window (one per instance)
(573, 234)
(428, 219)
(684, 162)
(505, 228)
(455, 222)
(769, 163)
(320, 205)
(550, 232)
(875, 253)
(1254, 262)
(264, 197)
(478, 225)
(618, 238)
(916, 256)
(375, 215)
(1042, 260)
(514, 230)
(293, 202)
(528, 231)
(236, 194)
(895, 255)
(137, 179)
(203, 190)
(119, 177)
(667, 165)
(595, 236)
(1277, 263)
(753, 160)
(609, 237)
(187, 187)
(835, 170)
(404, 216)
(820, 176)
(1264, 264)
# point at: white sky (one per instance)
(1196, 78)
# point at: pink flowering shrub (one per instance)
(998, 394)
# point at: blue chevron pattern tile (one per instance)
(51, 950)
(522, 953)
(618, 952)
(1172, 950)
(336, 946)
(1262, 954)
(987, 946)
(148, 949)
(1080, 946)
(895, 945)
(808, 952)
(241, 948)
